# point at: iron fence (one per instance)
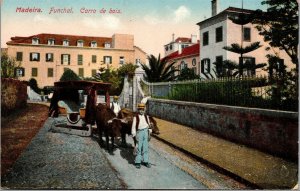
(259, 92)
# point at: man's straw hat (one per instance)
(116, 97)
(141, 106)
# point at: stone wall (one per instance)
(275, 132)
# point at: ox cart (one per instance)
(73, 114)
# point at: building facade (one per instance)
(219, 31)
(45, 57)
(187, 57)
(179, 43)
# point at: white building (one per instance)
(219, 31)
(179, 44)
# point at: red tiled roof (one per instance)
(183, 39)
(43, 39)
(188, 51)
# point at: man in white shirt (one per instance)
(140, 130)
(115, 106)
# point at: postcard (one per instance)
(153, 94)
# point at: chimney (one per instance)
(214, 7)
(173, 37)
(193, 39)
(179, 47)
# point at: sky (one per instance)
(152, 22)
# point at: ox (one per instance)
(108, 123)
(127, 115)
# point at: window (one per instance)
(247, 34)
(94, 72)
(80, 72)
(219, 65)
(49, 57)
(205, 38)
(35, 41)
(194, 70)
(65, 42)
(79, 59)
(183, 65)
(205, 66)
(107, 59)
(248, 66)
(171, 46)
(93, 44)
(107, 45)
(34, 56)
(19, 56)
(277, 68)
(219, 34)
(137, 61)
(166, 48)
(194, 62)
(80, 43)
(34, 72)
(51, 41)
(65, 59)
(94, 58)
(122, 60)
(19, 72)
(50, 72)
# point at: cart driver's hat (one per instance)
(116, 97)
(141, 106)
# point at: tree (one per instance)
(127, 69)
(110, 76)
(242, 19)
(34, 86)
(158, 70)
(69, 75)
(279, 26)
(8, 66)
(187, 74)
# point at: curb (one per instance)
(210, 164)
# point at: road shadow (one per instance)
(127, 154)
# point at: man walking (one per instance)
(141, 131)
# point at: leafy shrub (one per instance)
(69, 75)
(13, 95)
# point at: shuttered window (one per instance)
(94, 58)
(80, 72)
(19, 56)
(34, 56)
(94, 72)
(65, 59)
(107, 59)
(50, 72)
(219, 34)
(34, 72)
(205, 66)
(49, 57)
(205, 38)
(79, 59)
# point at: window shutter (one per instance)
(38, 56)
(69, 59)
(30, 57)
(62, 59)
(253, 64)
(110, 61)
(104, 60)
(202, 66)
(208, 65)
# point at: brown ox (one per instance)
(106, 121)
(127, 115)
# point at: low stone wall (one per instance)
(271, 131)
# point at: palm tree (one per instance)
(159, 70)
